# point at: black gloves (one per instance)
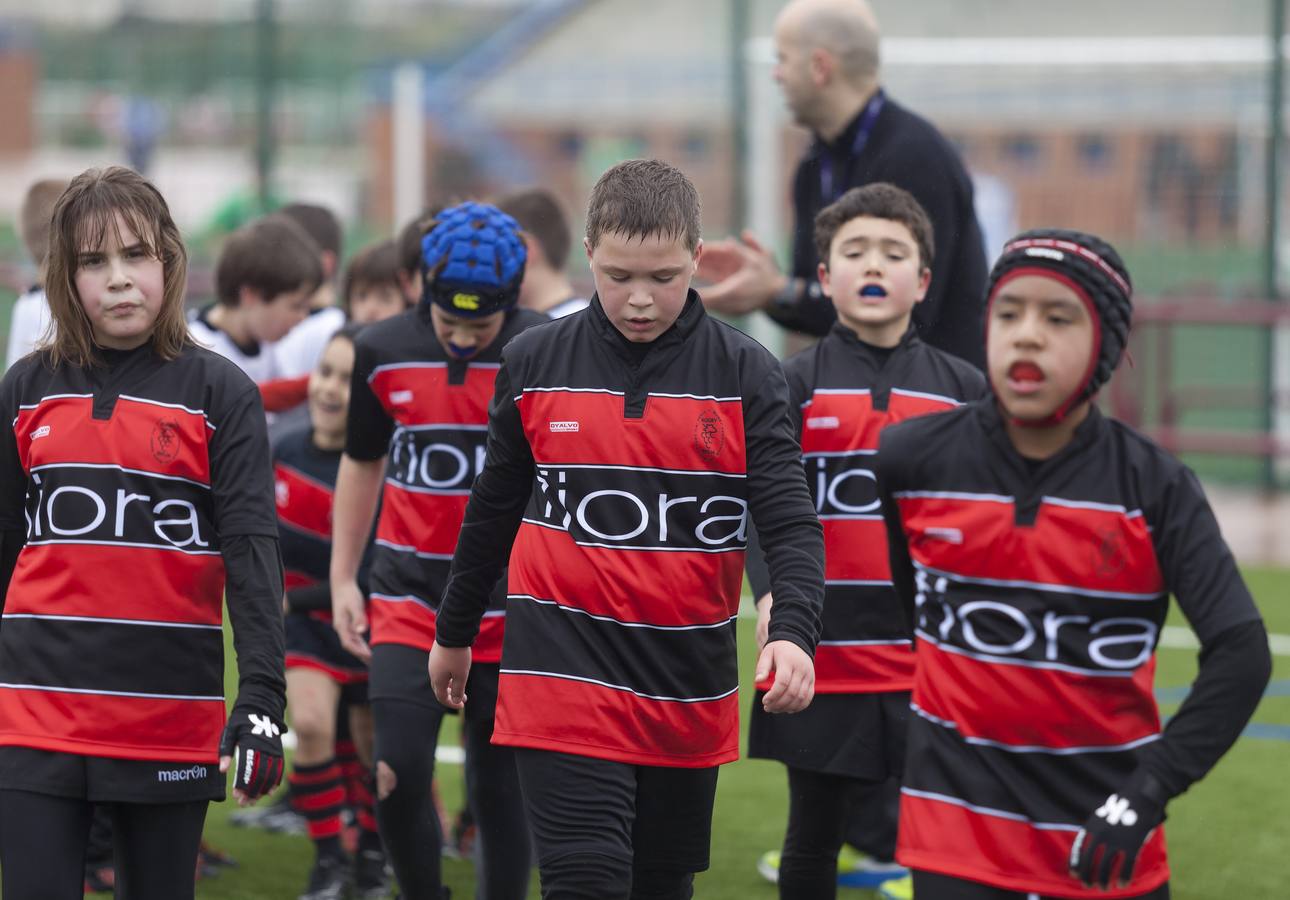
(1118, 828)
(254, 740)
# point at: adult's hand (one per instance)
(449, 669)
(349, 618)
(794, 685)
(745, 275)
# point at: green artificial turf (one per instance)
(1226, 835)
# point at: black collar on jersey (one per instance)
(992, 419)
(850, 338)
(691, 315)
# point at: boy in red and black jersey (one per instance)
(134, 487)
(1035, 544)
(415, 442)
(627, 445)
(869, 372)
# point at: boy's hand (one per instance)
(251, 746)
(349, 618)
(794, 685)
(1116, 831)
(763, 619)
(449, 669)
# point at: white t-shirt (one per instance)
(567, 307)
(260, 365)
(28, 324)
(298, 352)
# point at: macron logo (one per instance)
(42, 431)
(188, 774)
(817, 422)
(557, 427)
(400, 396)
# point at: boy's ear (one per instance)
(698, 252)
(924, 281)
(822, 272)
(248, 296)
(586, 245)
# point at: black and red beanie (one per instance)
(1093, 269)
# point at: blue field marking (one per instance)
(1261, 730)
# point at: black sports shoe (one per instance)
(370, 879)
(329, 879)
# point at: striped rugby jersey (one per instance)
(625, 476)
(427, 415)
(846, 392)
(126, 479)
(1037, 593)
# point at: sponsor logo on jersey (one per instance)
(165, 440)
(192, 773)
(1030, 633)
(105, 506)
(557, 427)
(949, 535)
(403, 396)
(281, 492)
(709, 436)
(441, 459)
(841, 487)
(816, 423)
(42, 431)
(642, 510)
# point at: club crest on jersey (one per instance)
(165, 440)
(1111, 554)
(557, 427)
(42, 431)
(709, 436)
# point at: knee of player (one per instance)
(386, 780)
(314, 725)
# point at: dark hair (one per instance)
(879, 200)
(373, 266)
(543, 219)
(35, 215)
(319, 222)
(348, 331)
(409, 240)
(81, 219)
(643, 197)
(272, 255)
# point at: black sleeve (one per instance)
(813, 312)
(1235, 663)
(242, 471)
(887, 471)
(1234, 669)
(13, 490)
(493, 515)
(310, 597)
(789, 530)
(368, 426)
(253, 591)
(755, 557)
(11, 543)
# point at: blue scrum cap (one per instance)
(473, 260)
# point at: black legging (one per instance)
(43, 840)
(406, 737)
(930, 886)
(818, 807)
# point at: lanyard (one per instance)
(828, 193)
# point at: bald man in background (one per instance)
(828, 69)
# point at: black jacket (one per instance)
(909, 152)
